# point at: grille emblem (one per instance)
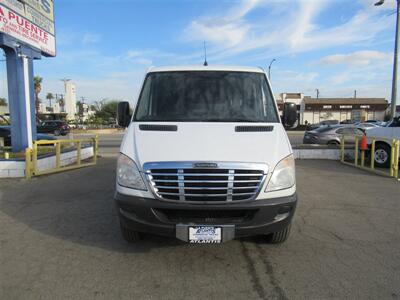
(205, 165)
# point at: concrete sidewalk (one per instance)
(59, 238)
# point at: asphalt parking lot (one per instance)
(59, 238)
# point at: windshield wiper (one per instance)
(233, 120)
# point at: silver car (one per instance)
(331, 135)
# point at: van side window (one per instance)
(396, 122)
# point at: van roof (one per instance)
(206, 68)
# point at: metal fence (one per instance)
(365, 158)
(62, 155)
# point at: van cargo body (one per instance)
(205, 157)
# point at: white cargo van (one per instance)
(205, 157)
(383, 141)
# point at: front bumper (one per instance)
(241, 219)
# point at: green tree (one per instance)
(37, 83)
(49, 97)
(106, 110)
(3, 102)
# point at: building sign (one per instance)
(31, 22)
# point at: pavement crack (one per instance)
(279, 291)
(255, 279)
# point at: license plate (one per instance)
(205, 235)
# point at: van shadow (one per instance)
(77, 206)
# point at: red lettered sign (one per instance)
(17, 26)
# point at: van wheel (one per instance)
(129, 235)
(279, 236)
(57, 132)
(382, 155)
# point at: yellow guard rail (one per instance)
(32, 155)
(360, 156)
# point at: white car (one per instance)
(367, 126)
(205, 157)
(384, 137)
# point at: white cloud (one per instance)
(225, 33)
(91, 38)
(359, 58)
(296, 30)
(229, 29)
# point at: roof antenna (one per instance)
(205, 55)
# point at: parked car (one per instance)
(205, 157)
(376, 122)
(323, 123)
(72, 124)
(5, 133)
(383, 137)
(349, 122)
(331, 135)
(55, 127)
(367, 126)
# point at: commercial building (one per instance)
(314, 110)
(70, 100)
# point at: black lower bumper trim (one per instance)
(248, 218)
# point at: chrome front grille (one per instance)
(182, 181)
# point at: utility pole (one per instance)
(395, 60)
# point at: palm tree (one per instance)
(61, 103)
(37, 83)
(49, 97)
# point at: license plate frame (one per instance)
(205, 234)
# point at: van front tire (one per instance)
(129, 235)
(279, 236)
(382, 155)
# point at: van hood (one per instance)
(218, 142)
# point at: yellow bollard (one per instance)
(392, 154)
(28, 165)
(396, 160)
(373, 155)
(34, 158)
(78, 153)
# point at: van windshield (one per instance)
(206, 96)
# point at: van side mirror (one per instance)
(123, 114)
(289, 114)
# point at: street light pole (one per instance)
(395, 60)
(269, 68)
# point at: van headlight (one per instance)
(128, 174)
(284, 175)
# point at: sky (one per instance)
(336, 46)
